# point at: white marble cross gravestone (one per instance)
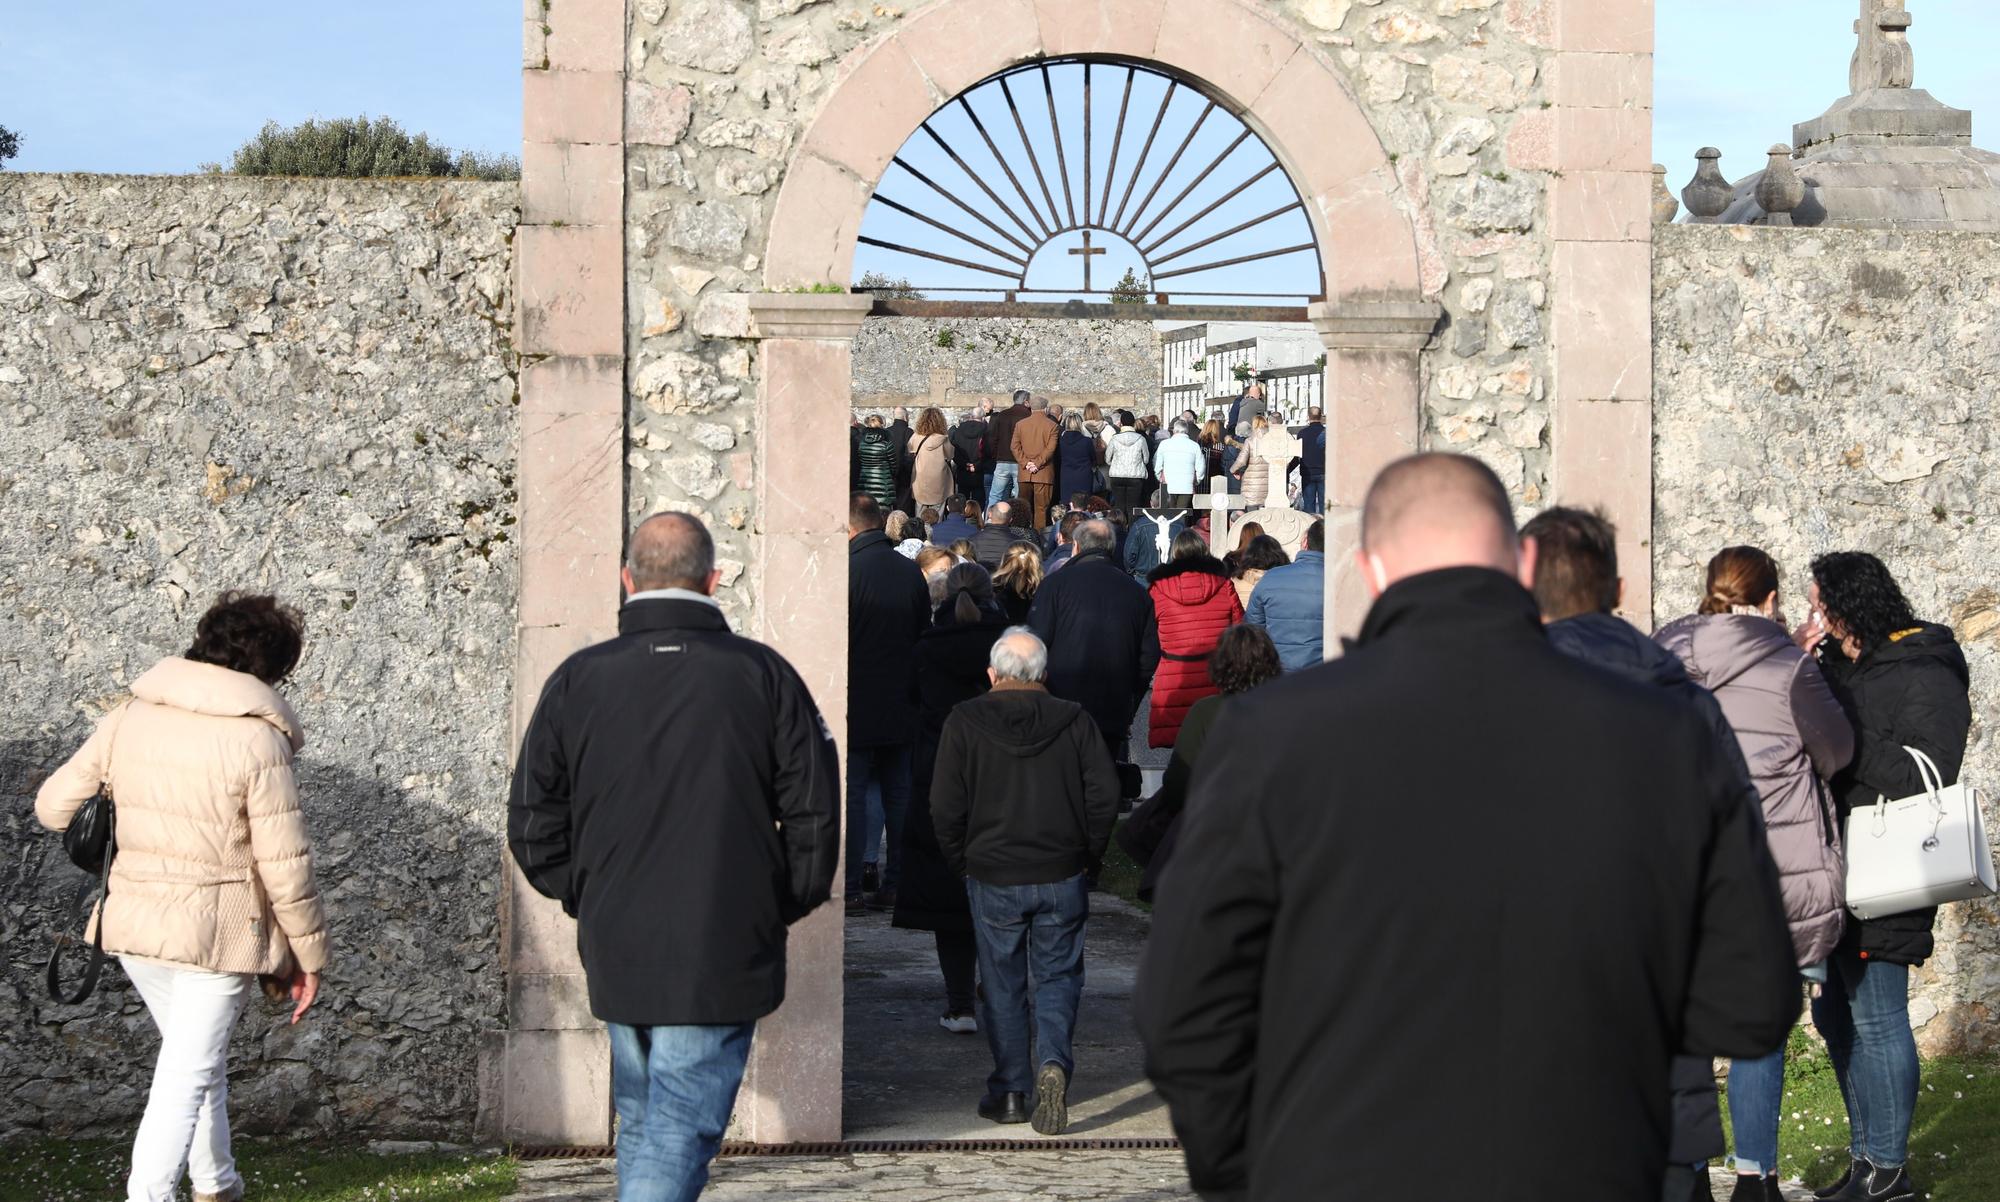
(1218, 500)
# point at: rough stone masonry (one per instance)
(1819, 390)
(297, 386)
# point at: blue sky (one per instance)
(125, 85)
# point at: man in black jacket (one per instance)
(1099, 627)
(1023, 800)
(1577, 587)
(1454, 880)
(678, 792)
(888, 606)
(989, 546)
(968, 452)
(1006, 473)
(899, 439)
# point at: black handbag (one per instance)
(90, 841)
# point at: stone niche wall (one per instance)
(297, 386)
(718, 94)
(956, 362)
(1824, 390)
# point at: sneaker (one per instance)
(1007, 1108)
(1752, 1188)
(960, 1024)
(1051, 1100)
(871, 878)
(1867, 1183)
(1855, 1168)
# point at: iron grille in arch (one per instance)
(1056, 178)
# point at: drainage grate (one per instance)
(877, 1147)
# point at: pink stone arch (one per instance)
(1252, 61)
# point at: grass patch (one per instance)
(1119, 875)
(1954, 1143)
(87, 1170)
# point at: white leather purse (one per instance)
(1925, 850)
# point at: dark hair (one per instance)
(1247, 533)
(1316, 536)
(1244, 657)
(1070, 522)
(1576, 562)
(1738, 576)
(1188, 544)
(252, 633)
(913, 528)
(1263, 554)
(968, 589)
(863, 512)
(1860, 597)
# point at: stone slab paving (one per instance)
(924, 1177)
(908, 1078)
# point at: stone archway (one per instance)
(1375, 320)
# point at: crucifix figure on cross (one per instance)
(1218, 500)
(1087, 251)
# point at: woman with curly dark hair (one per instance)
(1244, 657)
(1903, 683)
(212, 883)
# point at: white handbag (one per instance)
(1922, 851)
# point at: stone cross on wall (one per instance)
(1883, 58)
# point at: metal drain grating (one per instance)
(878, 1147)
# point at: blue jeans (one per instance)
(1029, 931)
(1867, 1029)
(1312, 495)
(887, 768)
(674, 1088)
(1006, 482)
(1756, 1097)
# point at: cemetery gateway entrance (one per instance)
(1004, 179)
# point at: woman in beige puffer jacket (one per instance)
(212, 884)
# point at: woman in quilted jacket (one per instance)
(212, 883)
(1794, 738)
(1194, 601)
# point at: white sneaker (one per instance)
(960, 1024)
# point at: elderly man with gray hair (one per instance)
(1023, 799)
(678, 793)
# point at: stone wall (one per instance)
(718, 94)
(955, 362)
(1822, 390)
(297, 386)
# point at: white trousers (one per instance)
(187, 1113)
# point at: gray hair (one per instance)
(999, 513)
(1094, 535)
(1019, 655)
(1022, 396)
(1040, 404)
(670, 550)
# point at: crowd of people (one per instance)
(1038, 453)
(1510, 863)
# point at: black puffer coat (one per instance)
(875, 455)
(951, 667)
(1911, 691)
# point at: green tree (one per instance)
(10, 145)
(1129, 290)
(881, 285)
(360, 148)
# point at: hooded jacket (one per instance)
(1356, 914)
(1024, 791)
(1793, 736)
(1909, 692)
(213, 868)
(1128, 456)
(1194, 601)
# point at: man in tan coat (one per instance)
(1034, 446)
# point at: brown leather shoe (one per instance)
(233, 1195)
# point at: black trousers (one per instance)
(958, 955)
(1129, 492)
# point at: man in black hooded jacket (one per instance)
(1406, 903)
(1577, 587)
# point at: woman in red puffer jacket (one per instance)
(1194, 601)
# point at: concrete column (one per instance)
(545, 1078)
(791, 1092)
(1374, 416)
(1601, 440)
